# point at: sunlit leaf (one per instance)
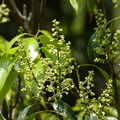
(46, 33)
(7, 85)
(64, 109)
(91, 116)
(5, 68)
(75, 5)
(11, 43)
(31, 47)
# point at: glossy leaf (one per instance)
(23, 114)
(110, 118)
(90, 48)
(31, 47)
(91, 116)
(8, 84)
(75, 5)
(11, 43)
(64, 109)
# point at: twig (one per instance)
(17, 14)
(42, 11)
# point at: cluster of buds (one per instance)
(4, 13)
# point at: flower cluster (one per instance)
(56, 67)
(116, 2)
(108, 45)
(86, 92)
(105, 98)
(4, 12)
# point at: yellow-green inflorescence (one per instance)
(116, 2)
(52, 77)
(4, 13)
(57, 68)
(107, 44)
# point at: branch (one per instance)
(17, 14)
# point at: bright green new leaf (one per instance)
(46, 33)
(64, 109)
(5, 68)
(31, 47)
(11, 43)
(91, 116)
(7, 85)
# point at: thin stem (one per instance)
(42, 11)
(116, 95)
(17, 14)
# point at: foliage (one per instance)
(40, 66)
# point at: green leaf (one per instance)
(91, 116)
(5, 109)
(110, 118)
(75, 5)
(23, 114)
(31, 47)
(1, 118)
(5, 68)
(11, 43)
(46, 33)
(91, 5)
(106, 76)
(64, 109)
(90, 48)
(8, 84)
(118, 88)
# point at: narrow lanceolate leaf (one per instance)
(91, 116)
(8, 84)
(75, 5)
(5, 68)
(64, 110)
(103, 72)
(23, 114)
